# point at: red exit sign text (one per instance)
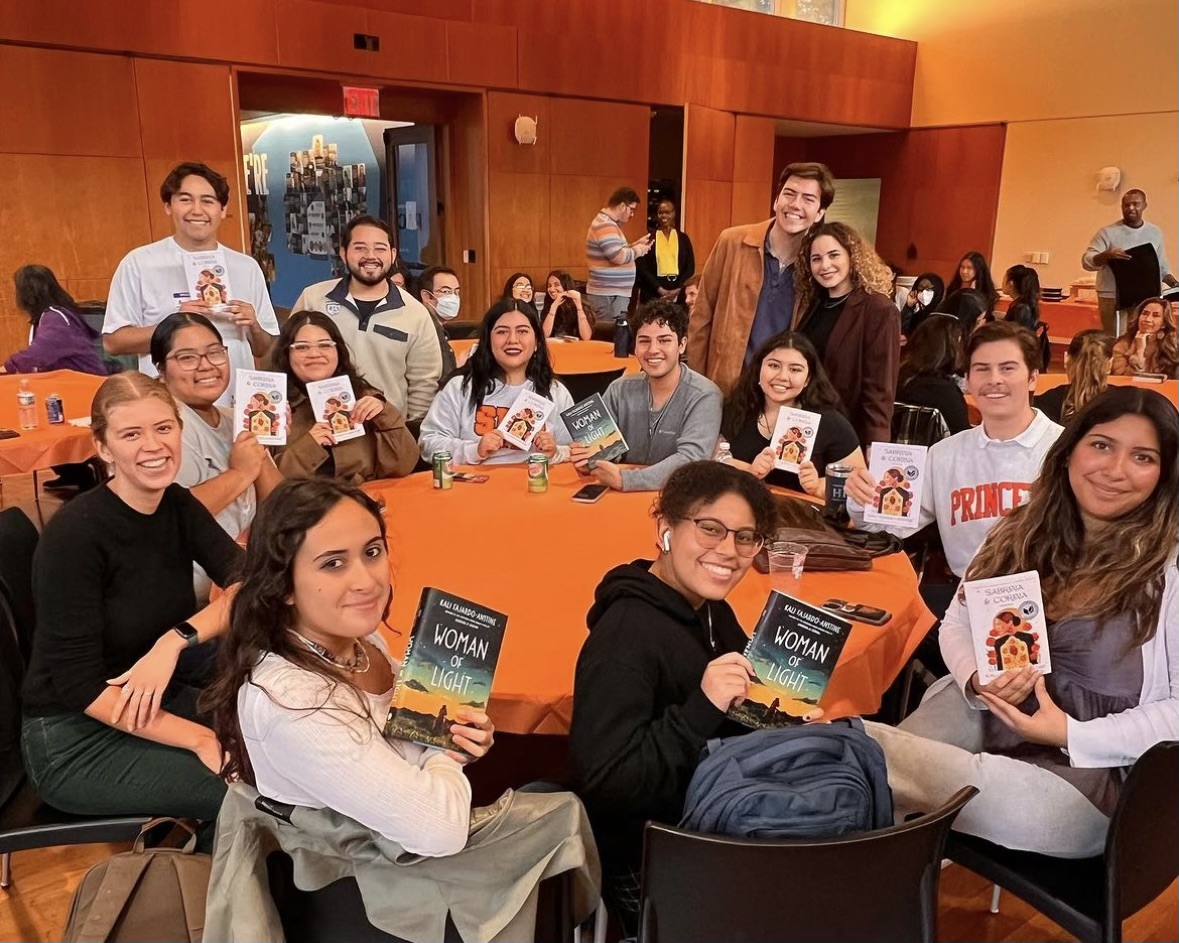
(362, 102)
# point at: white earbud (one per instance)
(667, 541)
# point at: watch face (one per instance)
(186, 631)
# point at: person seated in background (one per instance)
(846, 311)
(668, 414)
(785, 372)
(689, 293)
(662, 664)
(228, 470)
(923, 300)
(1022, 285)
(1100, 529)
(931, 367)
(519, 287)
(662, 272)
(563, 314)
(311, 348)
(1151, 342)
(510, 357)
(442, 295)
(968, 306)
(977, 477)
(973, 274)
(1086, 366)
(58, 337)
(110, 723)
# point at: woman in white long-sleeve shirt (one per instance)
(306, 681)
(510, 357)
(1048, 751)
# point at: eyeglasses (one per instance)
(522, 286)
(191, 359)
(712, 533)
(304, 347)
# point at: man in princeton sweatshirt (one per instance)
(669, 414)
(978, 476)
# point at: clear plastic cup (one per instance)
(787, 561)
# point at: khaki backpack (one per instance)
(155, 895)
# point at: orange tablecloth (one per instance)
(539, 557)
(1065, 319)
(1048, 381)
(571, 358)
(46, 445)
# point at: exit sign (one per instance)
(362, 102)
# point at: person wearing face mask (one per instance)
(923, 298)
(786, 371)
(442, 295)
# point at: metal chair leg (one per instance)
(6, 870)
(995, 899)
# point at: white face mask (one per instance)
(925, 296)
(448, 306)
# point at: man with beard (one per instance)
(390, 333)
(158, 279)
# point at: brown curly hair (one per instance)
(868, 270)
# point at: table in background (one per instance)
(573, 358)
(46, 445)
(539, 557)
(1048, 381)
(1065, 319)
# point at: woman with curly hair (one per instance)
(845, 309)
(1149, 344)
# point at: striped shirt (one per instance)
(609, 257)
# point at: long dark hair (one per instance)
(481, 372)
(165, 333)
(936, 349)
(37, 288)
(1025, 306)
(747, 399)
(512, 279)
(260, 615)
(280, 356)
(983, 282)
(1125, 568)
(966, 305)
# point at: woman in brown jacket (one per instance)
(311, 348)
(842, 304)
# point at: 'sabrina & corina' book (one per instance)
(794, 649)
(450, 662)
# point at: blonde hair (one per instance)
(868, 270)
(1087, 369)
(123, 388)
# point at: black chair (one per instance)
(460, 330)
(918, 425)
(581, 385)
(879, 885)
(602, 331)
(1090, 897)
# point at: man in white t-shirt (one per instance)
(191, 271)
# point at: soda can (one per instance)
(443, 472)
(54, 409)
(835, 509)
(538, 473)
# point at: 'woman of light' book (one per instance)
(899, 471)
(591, 424)
(260, 404)
(1007, 624)
(525, 419)
(793, 440)
(333, 403)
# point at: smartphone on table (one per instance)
(588, 494)
(873, 615)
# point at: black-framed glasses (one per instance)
(191, 359)
(712, 533)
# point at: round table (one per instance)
(573, 358)
(539, 557)
(46, 445)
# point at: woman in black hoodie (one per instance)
(662, 664)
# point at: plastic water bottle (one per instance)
(724, 454)
(622, 339)
(26, 401)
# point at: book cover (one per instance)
(260, 404)
(1007, 624)
(793, 440)
(450, 663)
(899, 471)
(591, 424)
(525, 419)
(333, 402)
(208, 278)
(794, 649)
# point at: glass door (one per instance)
(413, 197)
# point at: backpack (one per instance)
(141, 895)
(808, 781)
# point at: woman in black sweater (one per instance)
(933, 360)
(662, 664)
(110, 721)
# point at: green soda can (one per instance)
(443, 472)
(538, 473)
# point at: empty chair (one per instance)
(918, 425)
(581, 385)
(879, 885)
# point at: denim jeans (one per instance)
(608, 307)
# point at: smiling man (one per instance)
(747, 287)
(156, 280)
(391, 335)
(669, 414)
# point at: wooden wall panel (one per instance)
(225, 31)
(484, 55)
(88, 289)
(14, 328)
(708, 175)
(753, 169)
(519, 208)
(465, 216)
(58, 102)
(601, 138)
(503, 151)
(711, 213)
(203, 127)
(319, 36)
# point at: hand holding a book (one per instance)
(1048, 725)
(726, 680)
(322, 434)
(861, 486)
(608, 474)
(247, 455)
(475, 734)
(366, 408)
(763, 464)
(490, 443)
(1011, 687)
(808, 477)
(545, 442)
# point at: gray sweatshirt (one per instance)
(1119, 235)
(684, 430)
